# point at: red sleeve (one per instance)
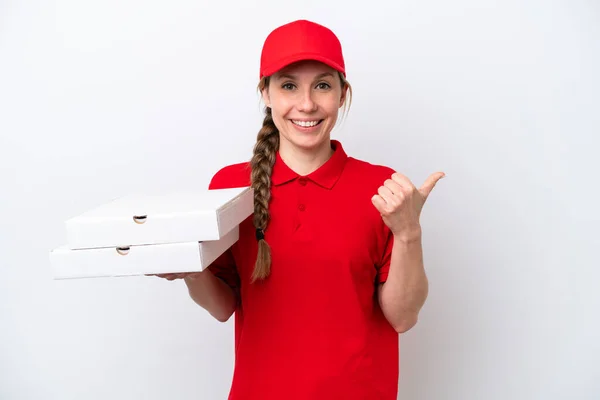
(384, 266)
(231, 176)
(387, 237)
(224, 267)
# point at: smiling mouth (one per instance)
(307, 124)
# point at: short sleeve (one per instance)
(385, 237)
(384, 266)
(225, 269)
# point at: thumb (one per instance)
(430, 183)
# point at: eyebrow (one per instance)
(293, 77)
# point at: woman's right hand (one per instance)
(208, 291)
(174, 276)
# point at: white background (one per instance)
(98, 99)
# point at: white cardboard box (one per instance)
(158, 219)
(152, 234)
(139, 260)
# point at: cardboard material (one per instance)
(139, 260)
(160, 219)
(152, 234)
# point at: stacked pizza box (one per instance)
(145, 234)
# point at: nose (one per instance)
(306, 102)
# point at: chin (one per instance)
(309, 143)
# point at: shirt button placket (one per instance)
(301, 194)
(302, 231)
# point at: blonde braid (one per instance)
(263, 159)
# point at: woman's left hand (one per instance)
(400, 203)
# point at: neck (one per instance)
(304, 161)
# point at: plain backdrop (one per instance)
(98, 99)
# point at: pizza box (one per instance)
(144, 219)
(121, 261)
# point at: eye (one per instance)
(324, 85)
(287, 86)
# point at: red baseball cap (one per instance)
(297, 41)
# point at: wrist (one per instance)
(196, 277)
(408, 235)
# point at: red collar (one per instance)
(326, 175)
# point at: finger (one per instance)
(379, 204)
(387, 195)
(430, 183)
(393, 186)
(402, 180)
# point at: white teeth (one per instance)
(306, 124)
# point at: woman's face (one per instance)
(305, 98)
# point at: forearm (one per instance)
(212, 294)
(404, 293)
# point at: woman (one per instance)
(328, 270)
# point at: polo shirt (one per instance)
(313, 330)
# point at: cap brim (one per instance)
(284, 62)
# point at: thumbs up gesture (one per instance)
(400, 203)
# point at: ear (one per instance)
(265, 96)
(343, 96)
